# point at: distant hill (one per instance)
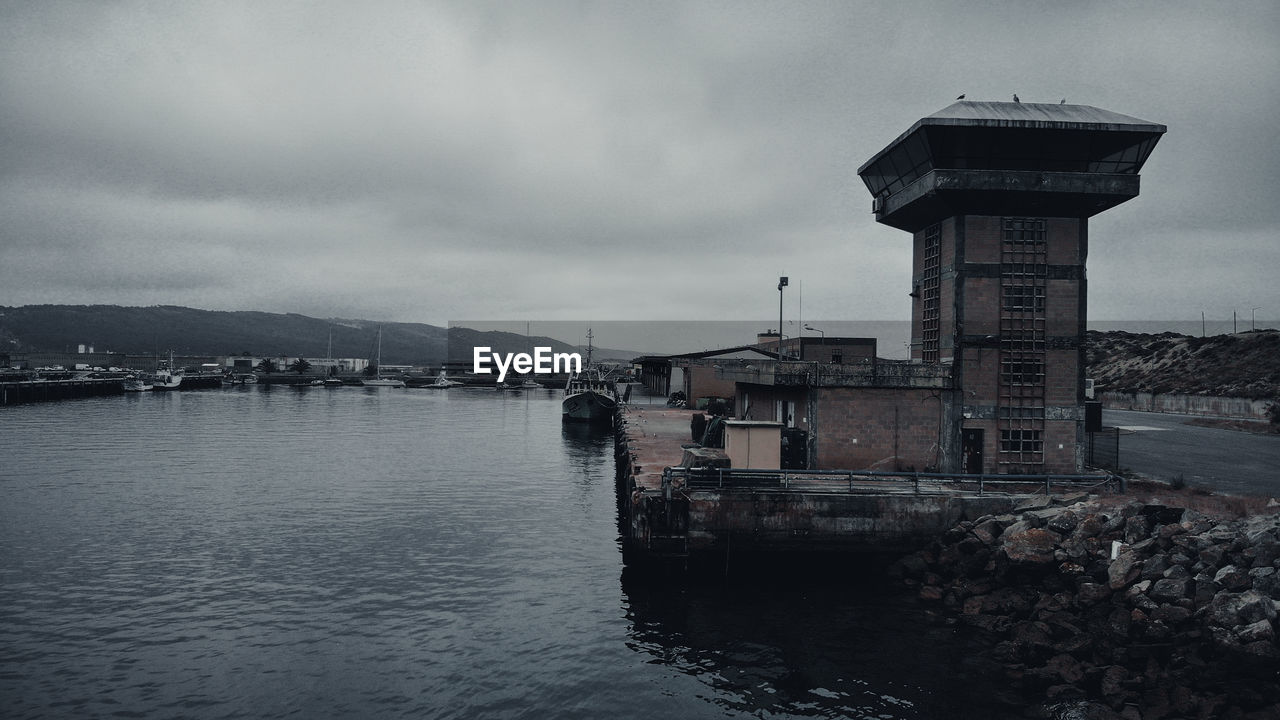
(1243, 364)
(188, 331)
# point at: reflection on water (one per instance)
(817, 648)
(391, 553)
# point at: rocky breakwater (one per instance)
(1137, 611)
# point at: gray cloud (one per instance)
(427, 161)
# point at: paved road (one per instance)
(1162, 446)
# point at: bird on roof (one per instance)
(961, 96)
(1063, 101)
(1015, 98)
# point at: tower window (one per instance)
(1021, 371)
(1021, 441)
(1024, 230)
(1024, 298)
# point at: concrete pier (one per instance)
(27, 391)
(672, 514)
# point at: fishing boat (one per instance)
(166, 377)
(590, 395)
(377, 380)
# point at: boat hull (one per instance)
(588, 406)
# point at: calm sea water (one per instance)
(265, 552)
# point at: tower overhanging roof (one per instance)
(1060, 116)
(1009, 157)
(1038, 116)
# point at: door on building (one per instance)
(971, 450)
(785, 413)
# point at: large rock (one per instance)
(1092, 593)
(1230, 609)
(1154, 567)
(1123, 570)
(1063, 523)
(1169, 589)
(1253, 632)
(1089, 527)
(1029, 546)
(1233, 578)
(1136, 528)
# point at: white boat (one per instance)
(136, 384)
(589, 396)
(378, 380)
(166, 377)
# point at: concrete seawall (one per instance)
(1232, 407)
(677, 517)
(12, 393)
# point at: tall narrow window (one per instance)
(1023, 291)
(930, 294)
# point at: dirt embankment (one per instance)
(1245, 365)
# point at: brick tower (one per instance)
(997, 197)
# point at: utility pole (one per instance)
(782, 282)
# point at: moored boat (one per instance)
(377, 380)
(166, 376)
(134, 383)
(590, 395)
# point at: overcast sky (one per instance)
(427, 162)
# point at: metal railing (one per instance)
(863, 373)
(873, 481)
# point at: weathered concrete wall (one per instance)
(1187, 404)
(793, 521)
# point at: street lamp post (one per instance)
(810, 327)
(782, 282)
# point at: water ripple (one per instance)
(271, 553)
